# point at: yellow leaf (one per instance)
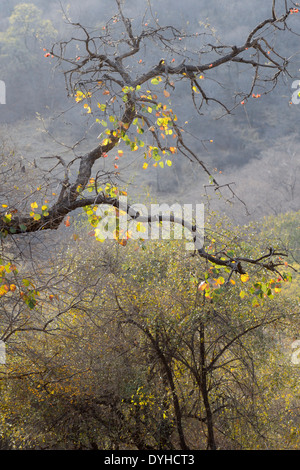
(245, 277)
(86, 106)
(145, 166)
(34, 205)
(3, 290)
(140, 227)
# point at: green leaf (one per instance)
(31, 303)
(243, 294)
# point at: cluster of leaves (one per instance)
(164, 122)
(25, 290)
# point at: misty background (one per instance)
(256, 147)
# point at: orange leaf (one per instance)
(203, 286)
(67, 222)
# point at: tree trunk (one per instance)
(211, 444)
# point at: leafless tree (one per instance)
(117, 62)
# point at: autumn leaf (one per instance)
(245, 277)
(67, 222)
(155, 81)
(242, 294)
(4, 289)
(203, 286)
